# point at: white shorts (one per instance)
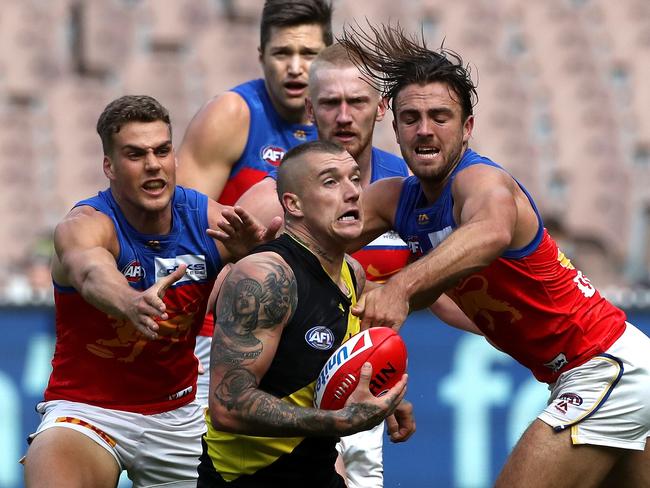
(606, 401)
(363, 457)
(160, 449)
(202, 352)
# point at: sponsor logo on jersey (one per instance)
(567, 399)
(272, 154)
(300, 134)
(179, 394)
(557, 363)
(134, 272)
(320, 337)
(423, 219)
(196, 267)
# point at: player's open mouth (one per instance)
(344, 135)
(154, 186)
(295, 87)
(350, 216)
(427, 151)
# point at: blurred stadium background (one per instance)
(564, 104)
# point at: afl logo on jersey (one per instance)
(320, 337)
(272, 154)
(133, 272)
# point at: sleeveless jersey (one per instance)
(530, 302)
(104, 361)
(269, 138)
(387, 254)
(319, 325)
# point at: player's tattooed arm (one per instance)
(257, 300)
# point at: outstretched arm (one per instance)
(492, 215)
(86, 246)
(257, 299)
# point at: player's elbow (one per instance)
(496, 241)
(223, 418)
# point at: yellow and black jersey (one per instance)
(320, 323)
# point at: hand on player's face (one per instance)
(366, 410)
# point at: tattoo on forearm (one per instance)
(238, 391)
(234, 383)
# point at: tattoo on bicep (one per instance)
(246, 305)
(281, 295)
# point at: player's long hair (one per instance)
(391, 60)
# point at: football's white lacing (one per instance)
(346, 383)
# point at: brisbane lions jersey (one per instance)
(103, 360)
(531, 302)
(387, 254)
(269, 138)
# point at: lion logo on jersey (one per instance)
(128, 343)
(485, 311)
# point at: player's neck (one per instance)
(292, 116)
(364, 160)
(146, 222)
(330, 259)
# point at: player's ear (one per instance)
(309, 110)
(396, 133)
(260, 54)
(381, 109)
(108, 168)
(292, 204)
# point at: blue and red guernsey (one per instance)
(104, 361)
(269, 138)
(387, 254)
(531, 302)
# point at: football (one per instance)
(380, 346)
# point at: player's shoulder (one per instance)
(263, 267)
(227, 106)
(387, 164)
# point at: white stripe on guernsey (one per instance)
(437, 237)
(388, 239)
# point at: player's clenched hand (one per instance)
(383, 306)
(147, 307)
(240, 232)
(364, 410)
(401, 425)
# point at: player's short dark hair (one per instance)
(390, 61)
(129, 108)
(290, 13)
(286, 179)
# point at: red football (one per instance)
(380, 346)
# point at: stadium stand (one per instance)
(562, 85)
